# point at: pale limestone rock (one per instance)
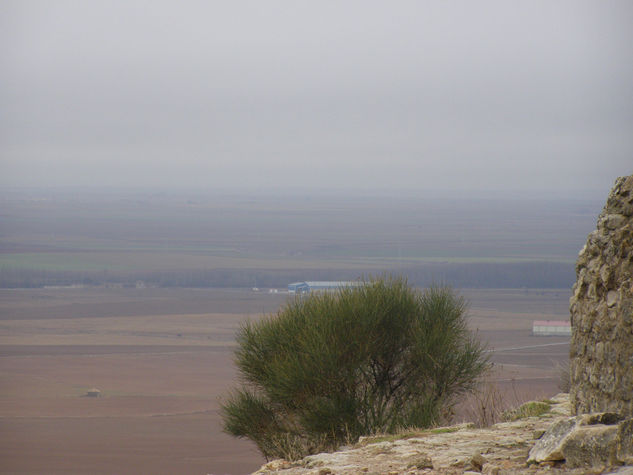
(550, 446)
(628, 470)
(625, 442)
(490, 469)
(421, 462)
(475, 463)
(591, 440)
(592, 446)
(612, 298)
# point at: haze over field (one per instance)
(325, 137)
(534, 97)
(163, 163)
(258, 240)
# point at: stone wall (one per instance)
(601, 308)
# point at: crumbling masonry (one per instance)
(601, 307)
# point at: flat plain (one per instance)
(256, 240)
(162, 282)
(162, 359)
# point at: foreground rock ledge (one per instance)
(500, 449)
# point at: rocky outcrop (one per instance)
(601, 308)
(500, 449)
(587, 441)
(552, 443)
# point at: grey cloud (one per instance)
(344, 94)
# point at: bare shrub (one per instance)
(485, 406)
(489, 404)
(564, 377)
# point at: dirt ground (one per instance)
(162, 360)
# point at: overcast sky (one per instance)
(529, 95)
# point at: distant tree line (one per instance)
(481, 275)
(543, 275)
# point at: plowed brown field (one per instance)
(163, 359)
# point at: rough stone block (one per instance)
(625, 442)
(591, 446)
(589, 440)
(550, 446)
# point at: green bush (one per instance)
(330, 367)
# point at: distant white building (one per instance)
(312, 286)
(551, 328)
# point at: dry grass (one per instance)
(528, 409)
(490, 404)
(486, 405)
(408, 433)
(564, 382)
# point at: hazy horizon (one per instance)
(532, 97)
(168, 168)
(591, 197)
